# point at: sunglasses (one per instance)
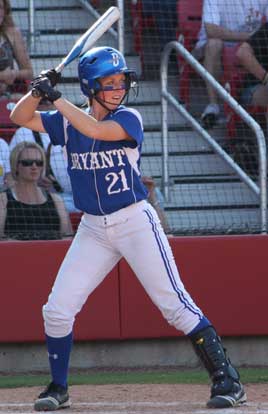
(30, 163)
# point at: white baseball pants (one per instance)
(134, 233)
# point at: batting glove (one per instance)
(42, 88)
(53, 76)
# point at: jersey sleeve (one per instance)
(53, 124)
(131, 121)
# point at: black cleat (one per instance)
(54, 397)
(233, 398)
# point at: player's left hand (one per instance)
(42, 88)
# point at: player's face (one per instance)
(30, 165)
(113, 90)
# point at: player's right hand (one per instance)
(53, 76)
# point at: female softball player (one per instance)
(104, 147)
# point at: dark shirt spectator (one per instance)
(27, 211)
(31, 221)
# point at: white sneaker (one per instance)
(210, 115)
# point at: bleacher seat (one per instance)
(139, 22)
(189, 23)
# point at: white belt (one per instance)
(117, 217)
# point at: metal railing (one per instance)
(31, 25)
(166, 98)
(119, 34)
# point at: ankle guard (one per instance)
(208, 347)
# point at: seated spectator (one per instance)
(15, 63)
(156, 199)
(27, 211)
(224, 24)
(4, 163)
(252, 55)
(56, 178)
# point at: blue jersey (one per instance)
(105, 175)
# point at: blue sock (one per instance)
(59, 350)
(204, 323)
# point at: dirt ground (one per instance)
(136, 399)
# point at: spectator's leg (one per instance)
(212, 62)
(260, 98)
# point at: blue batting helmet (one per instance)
(98, 63)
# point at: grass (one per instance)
(158, 376)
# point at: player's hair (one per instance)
(15, 156)
(7, 20)
(100, 62)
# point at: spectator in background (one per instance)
(27, 211)
(4, 164)
(156, 199)
(165, 14)
(252, 55)
(15, 63)
(224, 23)
(56, 178)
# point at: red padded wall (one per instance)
(226, 276)
(28, 270)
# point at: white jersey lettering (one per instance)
(98, 160)
(84, 158)
(113, 177)
(75, 162)
(106, 159)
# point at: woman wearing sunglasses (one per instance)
(27, 211)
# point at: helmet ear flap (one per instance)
(92, 90)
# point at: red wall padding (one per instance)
(28, 270)
(226, 276)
